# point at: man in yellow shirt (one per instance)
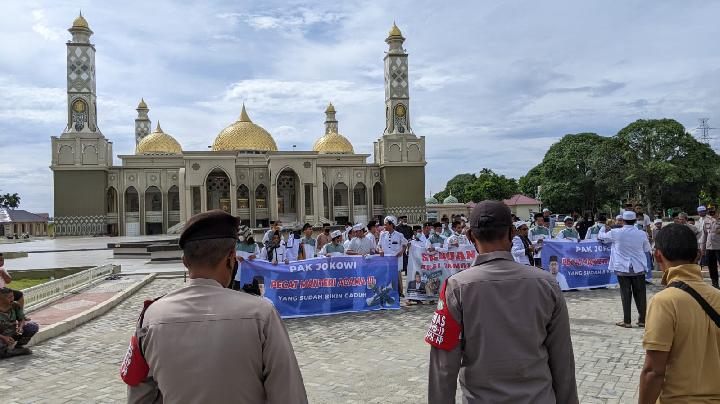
(682, 340)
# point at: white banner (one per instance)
(427, 270)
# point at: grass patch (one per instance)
(19, 284)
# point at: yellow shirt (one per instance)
(677, 324)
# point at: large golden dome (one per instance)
(243, 134)
(333, 143)
(158, 142)
(80, 22)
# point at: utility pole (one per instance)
(703, 131)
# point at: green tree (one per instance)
(489, 185)
(457, 185)
(530, 182)
(9, 201)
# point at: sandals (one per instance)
(623, 324)
(641, 325)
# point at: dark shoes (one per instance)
(623, 324)
(20, 351)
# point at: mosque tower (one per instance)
(81, 155)
(142, 122)
(400, 154)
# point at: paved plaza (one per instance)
(377, 357)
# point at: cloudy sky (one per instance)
(493, 84)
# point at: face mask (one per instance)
(280, 228)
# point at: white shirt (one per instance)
(518, 251)
(2, 281)
(361, 245)
(629, 245)
(278, 253)
(391, 243)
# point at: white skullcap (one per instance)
(358, 226)
(618, 217)
(391, 219)
(546, 210)
(658, 221)
(629, 215)
(336, 233)
(520, 224)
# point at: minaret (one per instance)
(397, 97)
(331, 124)
(142, 122)
(82, 109)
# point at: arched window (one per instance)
(377, 194)
(340, 195)
(132, 201)
(243, 197)
(359, 194)
(326, 200)
(174, 198)
(261, 193)
(218, 190)
(153, 199)
(111, 200)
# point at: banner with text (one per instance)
(581, 265)
(321, 286)
(427, 270)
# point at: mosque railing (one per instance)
(52, 290)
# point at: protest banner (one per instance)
(580, 265)
(428, 270)
(324, 285)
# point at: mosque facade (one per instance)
(159, 187)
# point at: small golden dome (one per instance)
(395, 31)
(142, 104)
(333, 143)
(243, 134)
(330, 108)
(158, 142)
(80, 22)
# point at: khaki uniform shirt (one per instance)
(676, 323)
(515, 342)
(208, 344)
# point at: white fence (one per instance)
(59, 287)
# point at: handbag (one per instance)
(714, 316)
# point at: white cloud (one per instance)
(299, 19)
(41, 26)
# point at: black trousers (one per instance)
(633, 287)
(537, 262)
(712, 261)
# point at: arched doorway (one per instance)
(378, 210)
(262, 216)
(132, 212)
(111, 207)
(173, 206)
(243, 204)
(218, 190)
(287, 196)
(360, 209)
(341, 209)
(153, 211)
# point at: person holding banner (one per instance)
(204, 343)
(324, 237)
(361, 244)
(522, 249)
(628, 260)
(393, 243)
(537, 234)
(274, 251)
(568, 233)
(594, 230)
(307, 243)
(334, 247)
(245, 249)
(275, 226)
(436, 239)
(496, 319)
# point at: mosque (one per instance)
(155, 190)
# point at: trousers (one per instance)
(633, 287)
(29, 329)
(712, 262)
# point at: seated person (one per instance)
(5, 279)
(15, 330)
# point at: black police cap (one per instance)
(210, 225)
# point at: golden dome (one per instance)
(330, 108)
(158, 142)
(243, 134)
(80, 22)
(333, 143)
(142, 104)
(395, 31)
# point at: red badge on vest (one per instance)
(134, 368)
(444, 331)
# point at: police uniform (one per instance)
(204, 343)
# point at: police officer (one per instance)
(484, 331)
(204, 343)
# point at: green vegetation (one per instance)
(20, 284)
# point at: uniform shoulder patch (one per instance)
(444, 331)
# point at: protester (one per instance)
(307, 242)
(583, 225)
(403, 228)
(496, 318)
(361, 245)
(710, 243)
(436, 239)
(682, 342)
(245, 249)
(372, 233)
(657, 225)
(425, 233)
(5, 279)
(568, 233)
(629, 262)
(522, 249)
(676, 218)
(204, 343)
(618, 222)
(642, 218)
(595, 229)
(684, 220)
(292, 244)
(537, 234)
(446, 230)
(702, 212)
(275, 249)
(334, 247)
(548, 214)
(324, 237)
(393, 243)
(275, 226)
(351, 235)
(15, 329)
